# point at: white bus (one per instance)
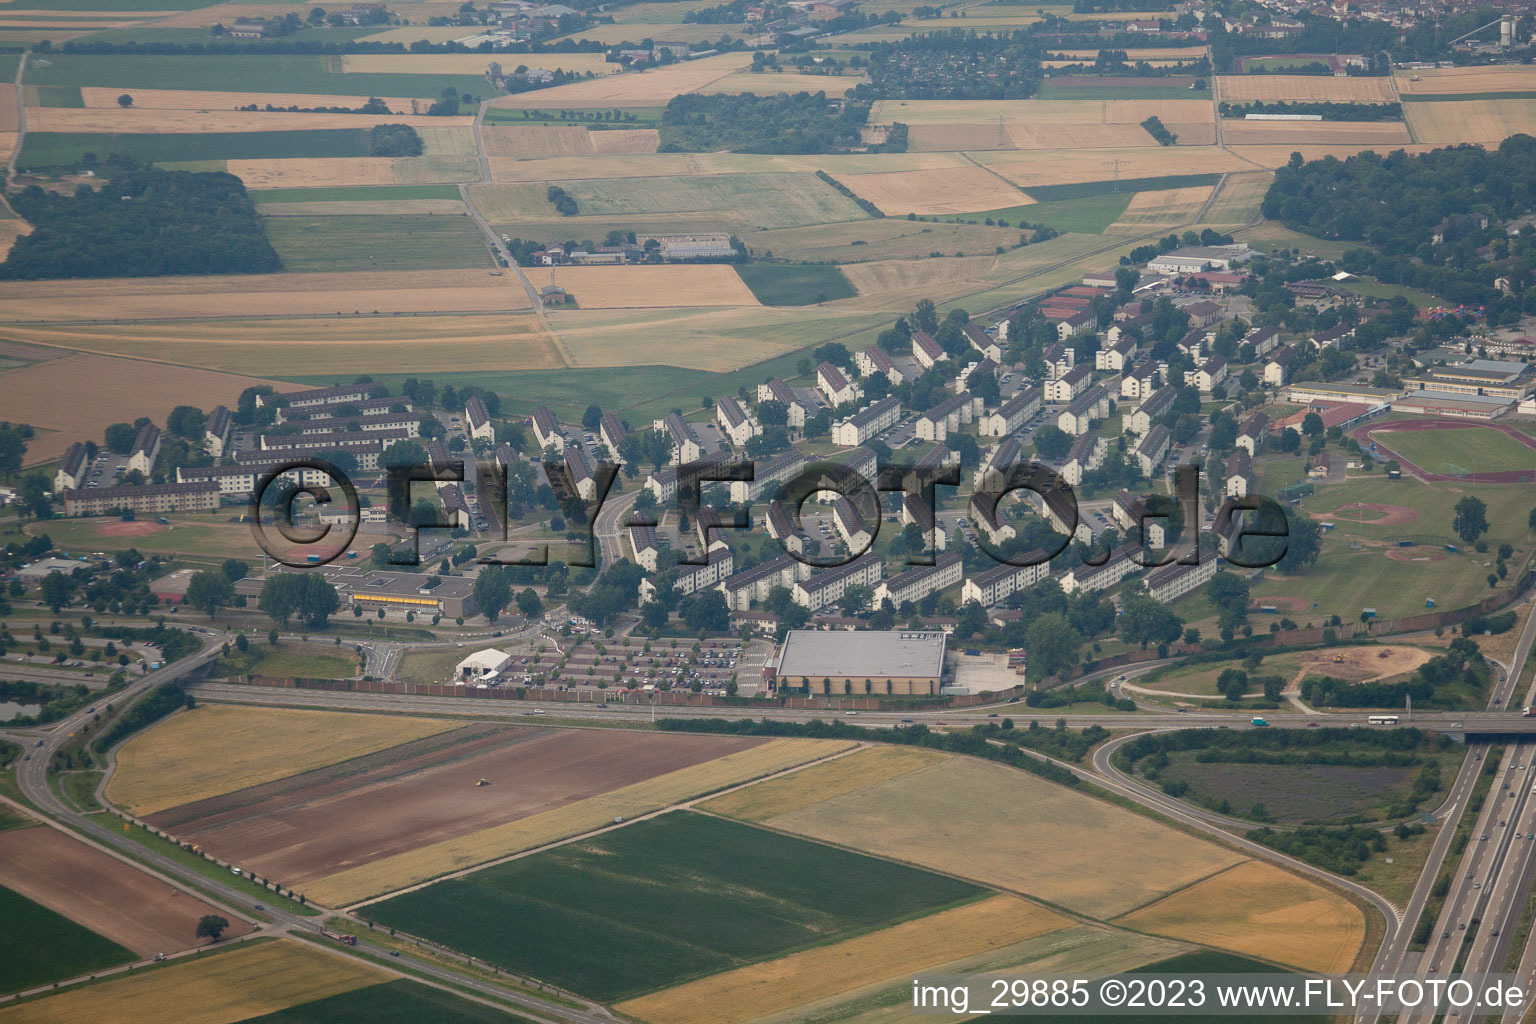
(1382, 719)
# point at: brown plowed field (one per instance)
(102, 893)
(408, 796)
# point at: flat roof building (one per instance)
(904, 662)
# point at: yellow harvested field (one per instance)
(882, 277)
(640, 287)
(418, 343)
(1238, 198)
(1155, 211)
(1310, 88)
(1062, 167)
(889, 954)
(667, 164)
(1270, 157)
(1260, 910)
(322, 172)
(653, 88)
(1487, 121)
(470, 63)
(557, 140)
(1446, 81)
(406, 869)
(767, 84)
(415, 33)
(951, 190)
(215, 749)
(322, 294)
(960, 137)
(917, 819)
(10, 230)
(149, 119)
(249, 980)
(821, 782)
(103, 390)
(1038, 112)
(1299, 133)
(190, 99)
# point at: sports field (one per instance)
(1468, 449)
(883, 956)
(116, 901)
(390, 874)
(217, 749)
(38, 945)
(671, 886)
(914, 818)
(1260, 910)
(246, 981)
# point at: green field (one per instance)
(57, 149)
(394, 1002)
(1088, 215)
(59, 96)
(354, 194)
(777, 284)
(9, 819)
(312, 661)
(361, 242)
(252, 73)
(1345, 579)
(38, 946)
(662, 901)
(1377, 290)
(1474, 449)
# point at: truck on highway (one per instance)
(348, 940)
(1527, 711)
(1260, 722)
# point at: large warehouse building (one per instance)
(877, 662)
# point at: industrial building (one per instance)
(899, 662)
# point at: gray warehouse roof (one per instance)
(877, 654)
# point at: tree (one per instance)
(528, 603)
(33, 498)
(1530, 520)
(1290, 441)
(706, 611)
(57, 589)
(1052, 644)
(592, 417)
(125, 100)
(119, 437)
(1052, 442)
(1311, 424)
(493, 591)
(210, 590)
(13, 448)
(1228, 594)
(305, 596)
(187, 421)
(211, 926)
(1471, 518)
(236, 569)
(1304, 543)
(1143, 620)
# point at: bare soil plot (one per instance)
(1485, 121)
(884, 955)
(8, 113)
(820, 782)
(1308, 88)
(565, 140)
(102, 893)
(1448, 81)
(1152, 211)
(103, 390)
(653, 88)
(953, 190)
(1299, 133)
(1364, 664)
(397, 800)
(247, 981)
(404, 869)
(916, 819)
(470, 63)
(414, 343)
(149, 119)
(646, 286)
(192, 99)
(217, 749)
(424, 291)
(1259, 910)
(768, 83)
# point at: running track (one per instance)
(1506, 476)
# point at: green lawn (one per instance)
(9, 819)
(807, 284)
(237, 73)
(59, 96)
(314, 661)
(38, 946)
(1474, 449)
(57, 149)
(395, 1002)
(664, 900)
(1377, 290)
(354, 194)
(382, 242)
